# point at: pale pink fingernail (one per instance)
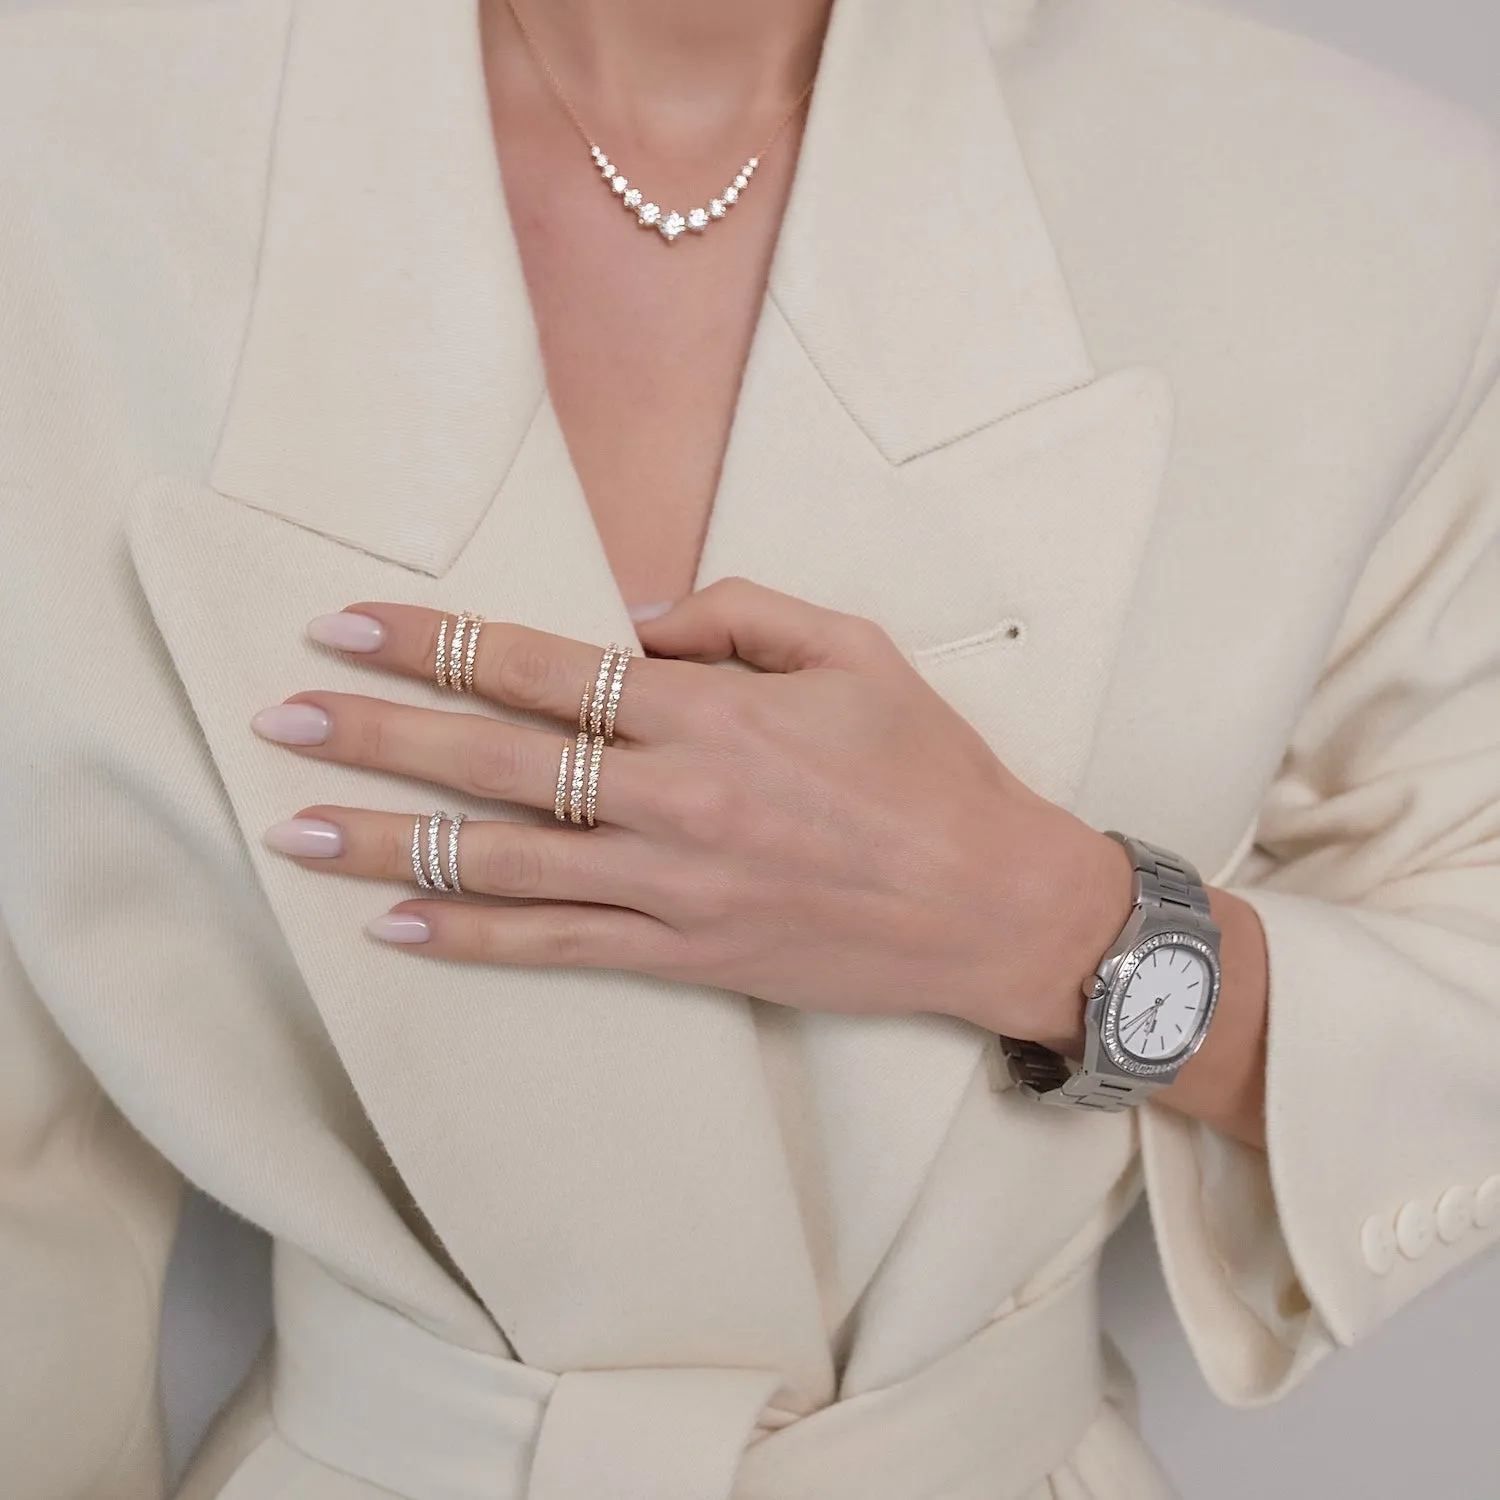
(314, 836)
(347, 631)
(650, 611)
(399, 927)
(292, 723)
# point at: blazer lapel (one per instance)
(595, 1150)
(920, 437)
(389, 372)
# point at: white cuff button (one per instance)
(1455, 1214)
(1377, 1239)
(1416, 1229)
(1487, 1203)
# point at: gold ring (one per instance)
(590, 718)
(560, 804)
(583, 711)
(616, 683)
(585, 714)
(454, 665)
(593, 787)
(596, 714)
(575, 790)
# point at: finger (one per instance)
(471, 753)
(776, 631)
(551, 934)
(493, 858)
(532, 670)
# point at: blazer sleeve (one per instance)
(87, 1216)
(1376, 874)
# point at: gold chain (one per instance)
(562, 98)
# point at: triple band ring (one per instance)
(577, 772)
(577, 791)
(428, 875)
(454, 666)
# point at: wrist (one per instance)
(1223, 1084)
(1093, 888)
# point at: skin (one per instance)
(643, 342)
(827, 833)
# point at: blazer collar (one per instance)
(391, 367)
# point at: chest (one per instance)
(643, 340)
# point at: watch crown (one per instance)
(1095, 988)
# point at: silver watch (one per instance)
(1147, 1006)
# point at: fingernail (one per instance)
(650, 611)
(347, 631)
(315, 836)
(399, 927)
(292, 723)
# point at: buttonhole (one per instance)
(1008, 632)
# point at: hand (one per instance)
(827, 833)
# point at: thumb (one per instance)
(771, 630)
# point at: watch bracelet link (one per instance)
(1163, 880)
(1046, 1076)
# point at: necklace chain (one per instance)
(649, 214)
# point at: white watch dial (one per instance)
(1160, 1009)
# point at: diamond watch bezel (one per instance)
(1128, 1062)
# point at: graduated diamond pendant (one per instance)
(668, 222)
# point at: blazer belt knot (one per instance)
(363, 1389)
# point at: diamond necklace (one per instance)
(648, 213)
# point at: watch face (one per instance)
(1163, 1003)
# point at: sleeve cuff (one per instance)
(1225, 1260)
(1377, 1131)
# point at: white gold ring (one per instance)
(428, 875)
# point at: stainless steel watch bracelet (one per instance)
(1164, 879)
(1168, 892)
(1046, 1075)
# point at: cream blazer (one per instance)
(1135, 366)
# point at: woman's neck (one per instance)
(656, 68)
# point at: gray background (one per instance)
(1407, 1415)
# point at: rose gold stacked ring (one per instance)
(577, 788)
(454, 666)
(597, 713)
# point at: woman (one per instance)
(1080, 417)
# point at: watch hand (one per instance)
(1135, 1023)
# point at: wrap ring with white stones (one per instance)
(577, 790)
(453, 665)
(424, 852)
